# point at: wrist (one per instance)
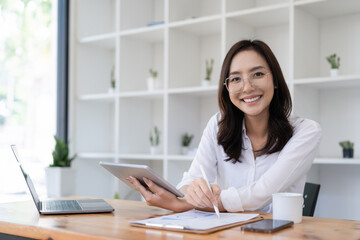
(182, 205)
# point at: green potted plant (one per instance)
(348, 149)
(209, 68)
(112, 80)
(154, 140)
(185, 142)
(60, 177)
(334, 62)
(152, 81)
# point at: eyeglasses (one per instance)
(235, 83)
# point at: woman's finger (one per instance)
(197, 195)
(193, 200)
(155, 188)
(143, 191)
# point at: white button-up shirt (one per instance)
(249, 185)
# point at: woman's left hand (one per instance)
(159, 197)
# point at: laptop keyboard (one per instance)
(61, 205)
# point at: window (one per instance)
(27, 89)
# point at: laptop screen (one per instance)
(27, 179)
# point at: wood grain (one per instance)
(22, 219)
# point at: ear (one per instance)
(275, 87)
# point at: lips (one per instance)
(251, 99)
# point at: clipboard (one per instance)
(208, 223)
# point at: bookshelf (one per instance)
(175, 37)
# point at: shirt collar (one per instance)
(244, 130)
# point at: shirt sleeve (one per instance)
(293, 163)
(205, 156)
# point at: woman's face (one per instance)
(257, 89)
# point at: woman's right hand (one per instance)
(159, 197)
(199, 195)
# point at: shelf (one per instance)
(329, 82)
(262, 16)
(96, 155)
(180, 158)
(141, 157)
(209, 25)
(148, 34)
(195, 91)
(154, 94)
(340, 161)
(327, 9)
(102, 40)
(106, 97)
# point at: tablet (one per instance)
(123, 171)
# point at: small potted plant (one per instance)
(348, 149)
(112, 80)
(209, 68)
(60, 177)
(152, 81)
(335, 64)
(185, 143)
(154, 140)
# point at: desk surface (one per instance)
(22, 219)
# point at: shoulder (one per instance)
(212, 125)
(214, 120)
(304, 126)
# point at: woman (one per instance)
(252, 148)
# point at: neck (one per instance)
(257, 126)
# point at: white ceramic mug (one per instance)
(288, 206)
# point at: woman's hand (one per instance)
(199, 195)
(159, 197)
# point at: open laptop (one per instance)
(63, 206)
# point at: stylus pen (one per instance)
(207, 182)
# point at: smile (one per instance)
(249, 100)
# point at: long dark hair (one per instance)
(230, 124)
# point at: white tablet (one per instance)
(123, 171)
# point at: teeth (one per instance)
(251, 99)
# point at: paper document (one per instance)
(196, 220)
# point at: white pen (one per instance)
(207, 182)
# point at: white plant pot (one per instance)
(334, 72)
(154, 150)
(111, 90)
(184, 150)
(205, 83)
(152, 83)
(60, 181)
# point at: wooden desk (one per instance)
(22, 219)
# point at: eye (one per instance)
(235, 79)
(258, 75)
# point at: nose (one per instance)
(247, 86)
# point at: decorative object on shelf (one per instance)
(185, 143)
(348, 149)
(60, 177)
(112, 80)
(209, 69)
(149, 24)
(152, 82)
(335, 64)
(154, 141)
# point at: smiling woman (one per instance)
(251, 146)
(27, 85)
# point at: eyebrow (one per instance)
(251, 70)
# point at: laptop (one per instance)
(63, 206)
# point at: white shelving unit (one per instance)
(113, 37)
